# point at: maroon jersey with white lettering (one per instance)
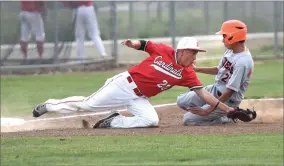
(160, 71)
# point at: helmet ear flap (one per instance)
(230, 38)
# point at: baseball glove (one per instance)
(242, 115)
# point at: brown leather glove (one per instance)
(242, 115)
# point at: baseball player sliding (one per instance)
(231, 82)
(85, 19)
(31, 22)
(163, 69)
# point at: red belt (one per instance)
(136, 90)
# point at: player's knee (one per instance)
(152, 121)
(180, 102)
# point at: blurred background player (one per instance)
(31, 19)
(85, 19)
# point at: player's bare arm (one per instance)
(223, 98)
(211, 100)
(206, 70)
(226, 95)
(135, 44)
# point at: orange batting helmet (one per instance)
(234, 30)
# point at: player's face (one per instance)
(188, 57)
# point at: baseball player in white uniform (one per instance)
(233, 76)
(85, 19)
(32, 22)
(163, 69)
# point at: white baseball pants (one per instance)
(31, 22)
(86, 20)
(117, 91)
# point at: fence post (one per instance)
(159, 11)
(114, 31)
(225, 10)
(55, 31)
(130, 21)
(275, 18)
(148, 16)
(172, 23)
(207, 17)
(1, 40)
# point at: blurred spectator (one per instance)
(85, 19)
(31, 18)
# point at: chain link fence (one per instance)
(120, 20)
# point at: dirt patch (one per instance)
(269, 120)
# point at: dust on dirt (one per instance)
(269, 119)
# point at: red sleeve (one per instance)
(151, 47)
(190, 79)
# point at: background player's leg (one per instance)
(93, 30)
(79, 33)
(24, 48)
(38, 31)
(25, 31)
(144, 115)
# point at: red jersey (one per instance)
(160, 71)
(32, 6)
(85, 3)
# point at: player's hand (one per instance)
(230, 109)
(194, 66)
(198, 111)
(128, 43)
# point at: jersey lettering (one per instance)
(228, 65)
(226, 78)
(166, 68)
(164, 85)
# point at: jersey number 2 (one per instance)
(225, 78)
(164, 85)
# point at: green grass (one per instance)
(268, 50)
(250, 149)
(155, 150)
(19, 94)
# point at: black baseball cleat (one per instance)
(39, 110)
(105, 122)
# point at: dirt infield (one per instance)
(269, 119)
